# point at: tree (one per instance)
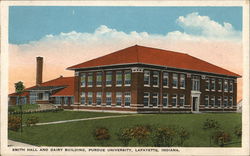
(19, 90)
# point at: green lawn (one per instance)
(25, 107)
(66, 115)
(80, 133)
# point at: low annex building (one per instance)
(142, 79)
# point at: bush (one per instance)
(32, 120)
(124, 135)
(14, 123)
(164, 137)
(101, 133)
(238, 132)
(221, 138)
(183, 135)
(140, 133)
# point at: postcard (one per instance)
(125, 77)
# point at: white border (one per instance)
(183, 151)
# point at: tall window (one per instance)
(146, 78)
(83, 79)
(230, 86)
(155, 79)
(118, 98)
(98, 98)
(175, 81)
(33, 97)
(213, 84)
(66, 100)
(182, 81)
(58, 100)
(207, 84)
(146, 99)
(155, 99)
(219, 85)
(90, 79)
(127, 78)
(127, 99)
(195, 83)
(225, 86)
(218, 104)
(225, 101)
(90, 98)
(108, 98)
(109, 78)
(165, 79)
(212, 101)
(206, 100)
(174, 100)
(118, 78)
(165, 99)
(83, 99)
(182, 100)
(98, 79)
(230, 104)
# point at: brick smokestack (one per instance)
(39, 70)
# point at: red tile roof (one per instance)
(153, 56)
(67, 82)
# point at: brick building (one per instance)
(142, 79)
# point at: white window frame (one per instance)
(98, 74)
(146, 96)
(90, 95)
(117, 74)
(174, 96)
(207, 81)
(156, 75)
(98, 96)
(165, 96)
(220, 85)
(165, 75)
(175, 77)
(212, 101)
(118, 95)
(225, 88)
(83, 79)
(108, 95)
(155, 96)
(213, 86)
(146, 73)
(196, 83)
(206, 98)
(108, 73)
(88, 79)
(220, 101)
(126, 96)
(182, 97)
(182, 79)
(126, 72)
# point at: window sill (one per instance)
(127, 85)
(155, 86)
(146, 85)
(108, 85)
(98, 86)
(165, 86)
(182, 88)
(175, 87)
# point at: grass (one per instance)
(80, 133)
(65, 115)
(25, 107)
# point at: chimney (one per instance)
(39, 70)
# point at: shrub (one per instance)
(14, 123)
(211, 125)
(238, 131)
(11, 109)
(101, 133)
(124, 135)
(164, 137)
(183, 135)
(32, 120)
(140, 133)
(221, 138)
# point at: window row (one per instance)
(121, 78)
(225, 101)
(210, 84)
(88, 98)
(178, 80)
(154, 100)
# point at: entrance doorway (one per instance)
(195, 102)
